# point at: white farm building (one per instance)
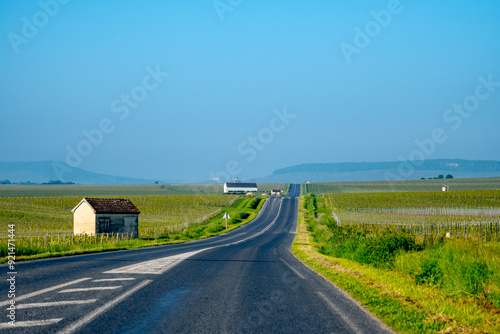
(239, 187)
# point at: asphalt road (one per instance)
(245, 281)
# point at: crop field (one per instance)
(401, 186)
(267, 187)
(35, 216)
(18, 190)
(473, 213)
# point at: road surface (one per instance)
(245, 281)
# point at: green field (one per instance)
(473, 213)
(18, 190)
(35, 216)
(398, 186)
(43, 225)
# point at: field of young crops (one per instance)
(468, 213)
(34, 190)
(267, 187)
(35, 216)
(401, 186)
(19, 190)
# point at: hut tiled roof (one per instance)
(112, 205)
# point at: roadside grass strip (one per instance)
(394, 298)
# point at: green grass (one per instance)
(397, 186)
(414, 285)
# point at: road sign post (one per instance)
(226, 216)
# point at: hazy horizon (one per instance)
(186, 90)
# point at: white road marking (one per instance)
(36, 293)
(114, 279)
(157, 266)
(339, 312)
(62, 303)
(32, 323)
(99, 288)
(94, 314)
(293, 269)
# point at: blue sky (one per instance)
(176, 90)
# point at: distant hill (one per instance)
(379, 171)
(45, 171)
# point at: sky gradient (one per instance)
(181, 90)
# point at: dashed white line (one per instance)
(99, 288)
(114, 279)
(36, 293)
(339, 312)
(94, 314)
(61, 303)
(32, 323)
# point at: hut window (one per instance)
(103, 224)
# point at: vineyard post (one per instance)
(486, 232)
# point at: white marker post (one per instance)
(227, 217)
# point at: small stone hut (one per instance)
(106, 215)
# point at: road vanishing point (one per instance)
(244, 281)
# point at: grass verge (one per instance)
(241, 212)
(393, 297)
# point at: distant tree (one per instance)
(156, 182)
(449, 176)
(55, 182)
(422, 178)
(440, 176)
(5, 182)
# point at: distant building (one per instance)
(445, 188)
(275, 192)
(239, 187)
(308, 182)
(106, 215)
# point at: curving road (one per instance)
(245, 281)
